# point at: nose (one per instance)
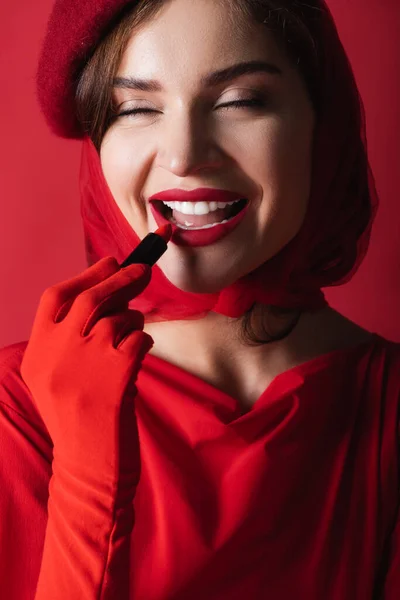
(187, 146)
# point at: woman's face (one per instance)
(263, 152)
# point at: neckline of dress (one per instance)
(302, 369)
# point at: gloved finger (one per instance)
(56, 299)
(136, 344)
(110, 296)
(112, 328)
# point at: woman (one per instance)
(210, 427)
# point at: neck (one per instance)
(213, 349)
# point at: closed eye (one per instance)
(251, 103)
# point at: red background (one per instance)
(41, 237)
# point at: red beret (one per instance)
(74, 28)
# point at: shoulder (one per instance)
(386, 366)
(377, 361)
(11, 383)
(386, 356)
(26, 446)
(16, 401)
(25, 471)
(333, 331)
(12, 354)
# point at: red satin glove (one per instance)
(80, 365)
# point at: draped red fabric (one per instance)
(297, 499)
(327, 250)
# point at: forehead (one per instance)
(188, 38)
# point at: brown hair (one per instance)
(293, 24)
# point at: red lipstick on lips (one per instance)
(204, 237)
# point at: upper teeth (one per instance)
(198, 208)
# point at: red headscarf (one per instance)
(334, 237)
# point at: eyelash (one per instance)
(252, 103)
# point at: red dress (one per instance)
(296, 499)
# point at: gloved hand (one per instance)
(80, 365)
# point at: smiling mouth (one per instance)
(199, 221)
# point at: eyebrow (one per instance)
(210, 80)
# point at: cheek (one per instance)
(286, 167)
(114, 162)
(121, 174)
(284, 147)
